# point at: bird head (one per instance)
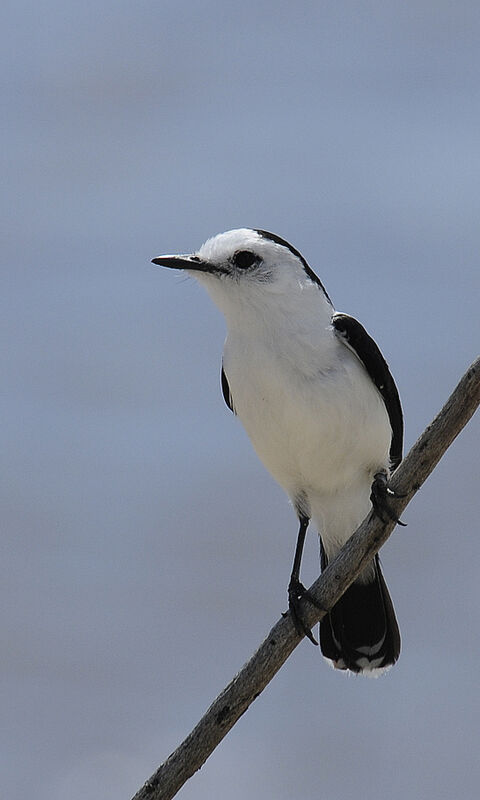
(247, 266)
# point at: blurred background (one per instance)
(145, 552)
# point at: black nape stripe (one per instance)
(278, 240)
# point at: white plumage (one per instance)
(313, 415)
(316, 418)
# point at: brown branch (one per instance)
(282, 639)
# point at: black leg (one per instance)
(304, 523)
(296, 589)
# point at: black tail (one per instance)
(361, 632)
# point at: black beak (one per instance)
(183, 262)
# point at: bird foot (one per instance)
(296, 593)
(379, 498)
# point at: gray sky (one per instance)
(145, 552)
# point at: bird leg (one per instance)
(296, 589)
(379, 497)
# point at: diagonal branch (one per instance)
(327, 589)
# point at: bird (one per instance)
(321, 408)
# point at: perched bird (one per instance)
(321, 408)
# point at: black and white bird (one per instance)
(321, 408)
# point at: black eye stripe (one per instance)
(243, 259)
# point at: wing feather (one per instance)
(354, 335)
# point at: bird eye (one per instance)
(243, 259)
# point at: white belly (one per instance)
(322, 435)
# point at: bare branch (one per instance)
(282, 639)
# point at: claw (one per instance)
(380, 492)
(296, 593)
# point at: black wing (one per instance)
(357, 338)
(227, 395)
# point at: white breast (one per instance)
(317, 421)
